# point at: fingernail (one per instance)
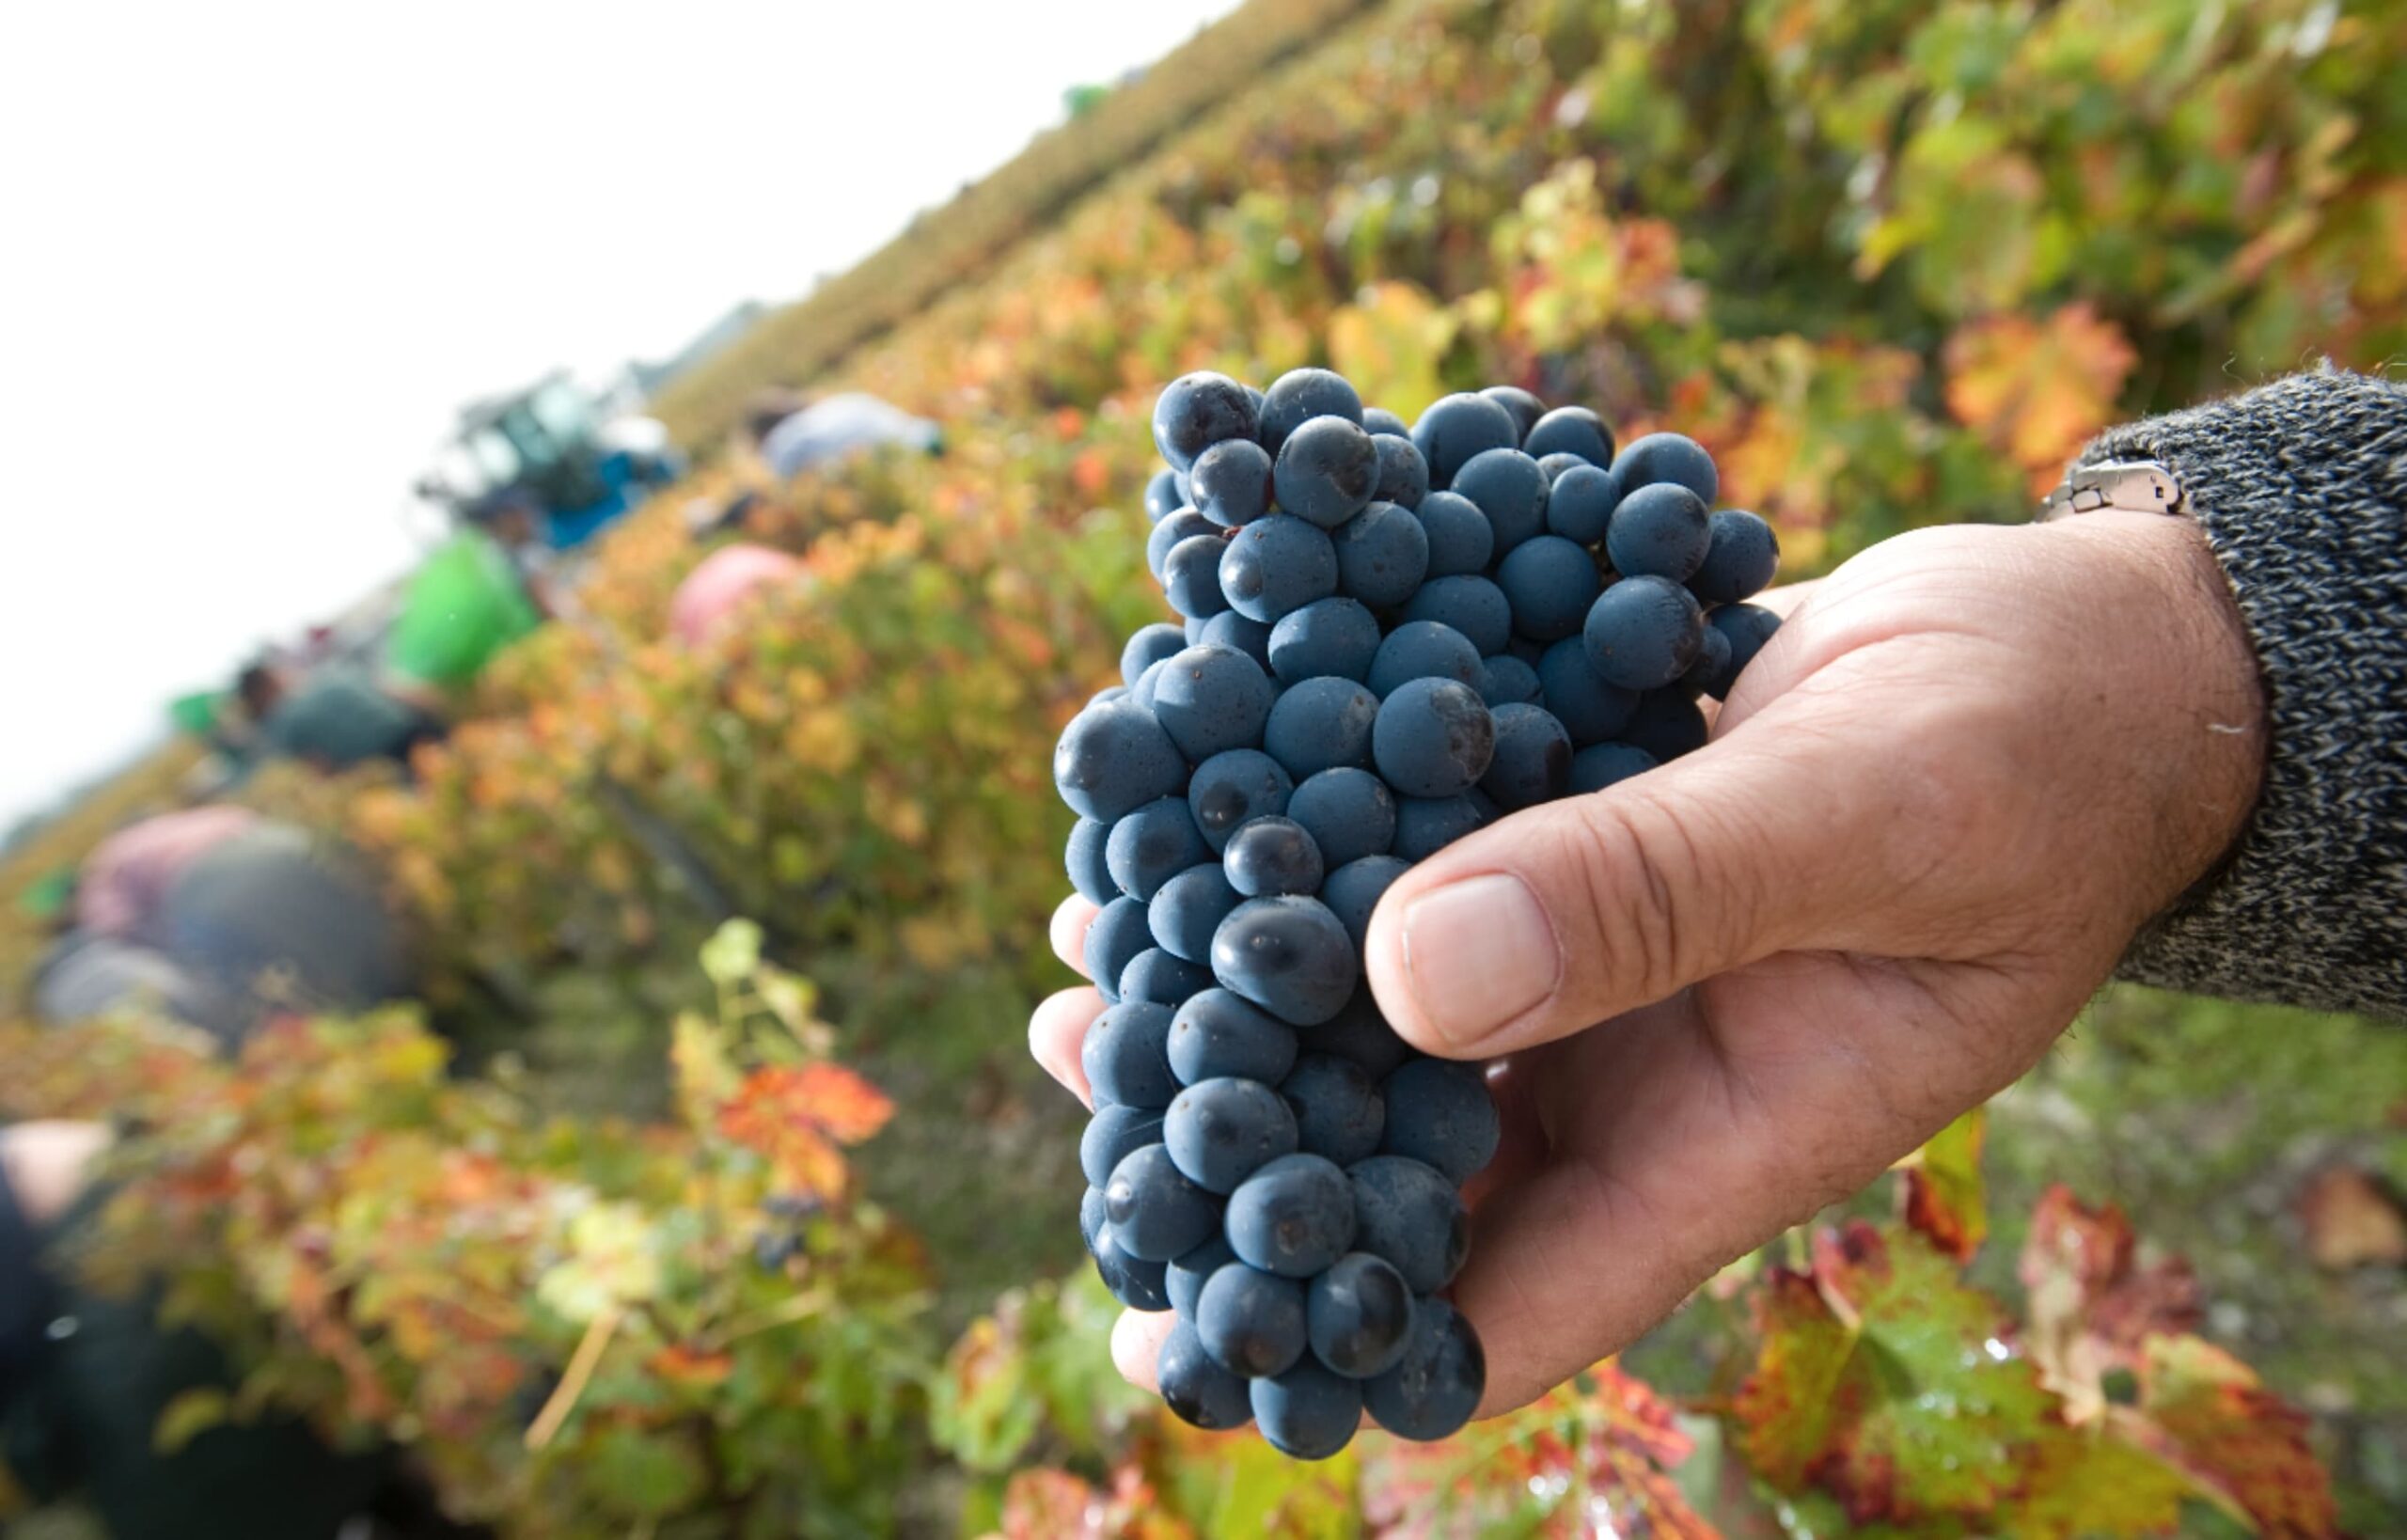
(1478, 952)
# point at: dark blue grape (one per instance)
(1250, 1322)
(1162, 496)
(1590, 707)
(1147, 646)
(1525, 408)
(1275, 566)
(1196, 411)
(1526, 650)
(1192, 629)
(1439, 1113)
(1216, 1035)
(1644, 633)
(1554, 465)
(1231, 788)
(1090, 872)
(1115, 758)
(1748, 627)
(1241, 632)
(1666, 724)
(1350, 813)
(1114, 940)
(1741, 560)
(1352, 890)
(1319, 725)
(1108, 694)
(1326, 471)
(1437, 1384)
(1126, 1055)
(1661, 530)
(1571, 430)
(1505, 681)
(1293, 1215)
(1136, 1283)
(1511, 490)
(1458, 426)
(1667, 457)
(1188, 908)
(1434, 737)
(1260, 400)
(1306, 1413)
(1114, 1130)
(1339, 1114)
(1151, 845)
(1092, 1218)
(1711, 673)
(1550, 582)
(1181, 524)
(1381, 423)
(1219, 1131)
(1424, 650)
(1425, 826)
(1403, 476)
(1231, 482)
(1533, 760)
(1191, 576)
(1271, 857)
(1358, 1317)
(1460, 541)
(1153, 975)
(1600, 765)
(1210, 699)
(1406, 1212)
(1199, 1391)
(1580, 508)
(1473, 606)
(1143, 691)
(1184, 1276)
(1156, 1212)
(1300, 395)
(1289, 955)
(1335, 636)
(1382, 555)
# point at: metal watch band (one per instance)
(2132, 486)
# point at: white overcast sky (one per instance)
(255, 253)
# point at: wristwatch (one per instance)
(2131, 486)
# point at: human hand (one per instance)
(48, 1163)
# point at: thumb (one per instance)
(1573, 912)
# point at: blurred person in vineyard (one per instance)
(487, 586)
(795, 433)
(1979, 772)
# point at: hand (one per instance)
(1933, 814)
(47, 1164)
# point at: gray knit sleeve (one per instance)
(2300, 487)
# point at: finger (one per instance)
(1137, 1340)
(1068, 932)
(1057, 1032)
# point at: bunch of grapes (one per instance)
(1393, 636)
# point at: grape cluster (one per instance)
(1393, 635)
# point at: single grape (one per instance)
(1251, 1321)
(1114, 938)
(1218, 1035)
(1300, 395)
(1271, 857)
(1439, 1113)
(1590, 707)
(1327, 636)
(1179, 525)
(1433, 737)
(1339, 1113)
(1242, 633)
(1211, 699)
(1149, 645)
(1115, 758)
(1126, 1055)
(1184, 1277)
(1425, 826)
(1159, 978)
(1424, 650)
(1191, 576)
(1089, 870)
(1740, 561)
(1403, 476)
(1219, 1131)
(1458, 426)
(1533, 762)
(1199, 1391)
(1506, 681)
(1196, 411)
(1554, 465)
(1350, 813)
(1550, 583)
(1748, 627)
(1406, 1212)
(1600, 765)
(1437, 1384)
(1460, 541)
(1711, 673)
(1236, 786)
(1580, 507)
(1306, 1413)
(1661, 530)
(1352, 890)
(1152, 845)
(1571, 430)
(1666, 724)
(1361, 1034)
(1231, 482)
(1319, 725)
(1275, 566)
(1114, 1130)
(1526, 409)
(1357, 1317)
(1473, 606)
(1135, 1283)
(1289, 955)
(1381, 423)
(1644, 633)
(1325, 471)
(1143, 691)
(1511, 490)
(1092, 1218)
(1107, 694)
(1162, 496)
(1293, 1215)
(1667, 457)
(1187, 909)
(1382, 555)
(1156, 1212)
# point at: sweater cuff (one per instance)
(2301, 488)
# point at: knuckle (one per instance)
(1646, 887)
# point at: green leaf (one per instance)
(1943, 1188)
(733, 953)
(190, 1414)
(643, 1475)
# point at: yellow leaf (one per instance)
(190, 1414)
(2036, 390)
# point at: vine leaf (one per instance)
(2035, 390)
(1942, 1193)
